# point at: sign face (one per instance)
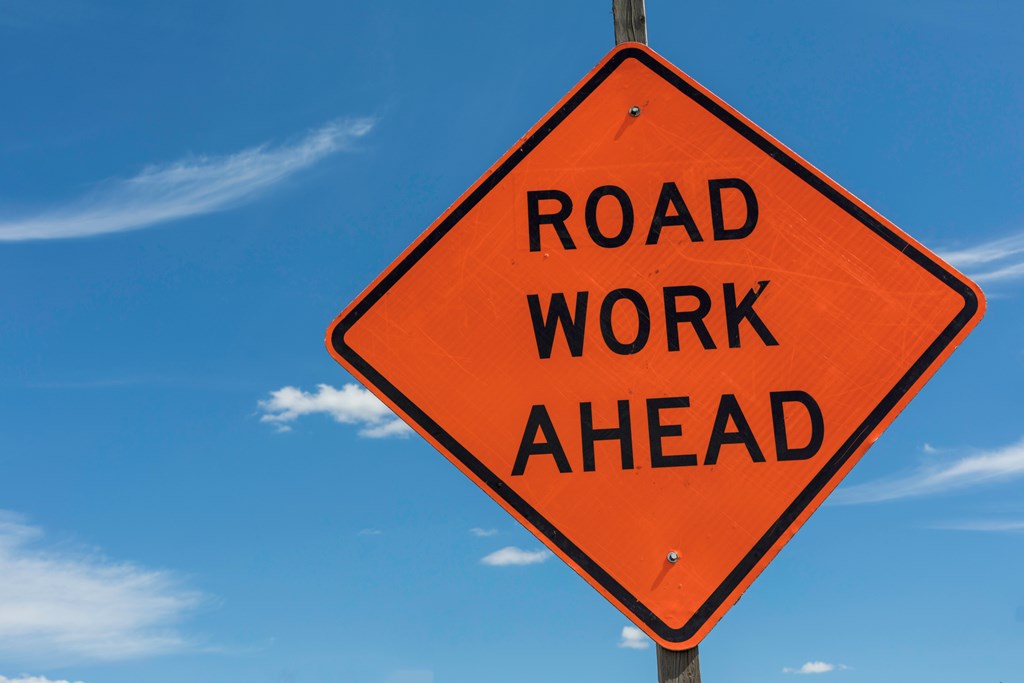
(651, 333)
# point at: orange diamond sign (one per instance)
(657, 337)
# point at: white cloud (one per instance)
(483, 533)
(189, 187)
(512, 556)
(57, 603)
(385, 429)
(1008, 272)
(351, 404)
(986, 252)
(994, 261)
(24, 678)
(985, 467)
(633, 638)
(813, 668)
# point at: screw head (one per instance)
(673, 556)
(634, 111)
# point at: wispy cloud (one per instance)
(60, 603)
(986, 467)
(24, 678)
(994, 261)
(483, 533)
(633, 638)
(813, 668)
(512, 556)
(189, 187)
(989, 525)
(351, 404)
(370, 532)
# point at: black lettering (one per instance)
(626, 228)
(643, 328)
(783, 451)
(729, 408)
(715, 188)
(736, 313)
(670, 196)
(656, 431)
(556, 220)
(673, 316)
(622, 433)
(558, 315)
(539, 420)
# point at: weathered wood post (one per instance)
(630, 21)
(674, 666)
(678, 666)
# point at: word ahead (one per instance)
(539, 424)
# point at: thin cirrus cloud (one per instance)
(515, 557)
(370, 532)
(633, 638)
(813, 668)
(189, 187)
(66, 605)
(483, 533)
(33, 679)
(995, 261)
(351, 404)
(985, 467)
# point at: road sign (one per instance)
(657, 337)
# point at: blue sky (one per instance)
(195, 491)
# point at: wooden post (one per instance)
(678, 666)
(630, 21)
(674, 666)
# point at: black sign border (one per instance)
(537, 520)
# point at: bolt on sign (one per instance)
(657, 337)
